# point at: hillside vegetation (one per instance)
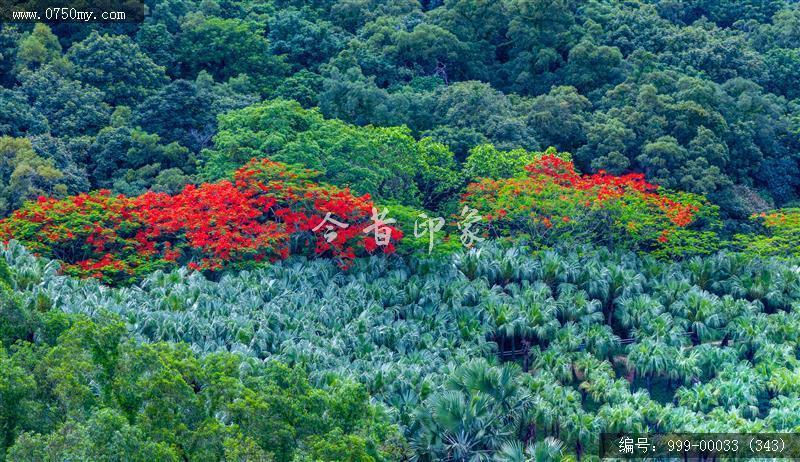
(482, 354)
(412, 231)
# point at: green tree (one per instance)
(37, 49)
(17, 117)
(24, 175)
(486, 161)
(105, 437)
(386, 162)
(228, 48)
(116, 65)
(540, 33)
(10, 36)
(560, 118)
(784, 67)
(16, 386)
(591, 66)
(117, 151)
(92, 393)
(156, 41)
(186, 111)
(305, 44)
(71, 108)
(478, 106)
(303, 87)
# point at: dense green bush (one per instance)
(779, 236)
(24, 175)
(5, 273)
(486, 161)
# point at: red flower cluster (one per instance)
(266, 213)
(563, 172)
(219, 222)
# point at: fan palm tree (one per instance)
(468, 422)
(600, 341)
(661, 328)
(784, 415)
(633, 312)
(576, 306)
(547, 450)
(621, 418)
(702, 272)
(762, 285)
(555, 268)
(581, 429)
(699, 398)
(698, 312)
(650, 359)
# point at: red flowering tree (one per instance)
(92, 234)
(267, 212)
(553, 202)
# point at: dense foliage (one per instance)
(84, 390)
(271, 210)
(495, 349)
(385, 162)
(781, 236)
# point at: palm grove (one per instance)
(523, 349)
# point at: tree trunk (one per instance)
(527, 349)
(531, 433)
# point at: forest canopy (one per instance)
(699, 96)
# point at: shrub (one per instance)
(780, 236)
(267, 212)
(445, 241)
(93, 393)
(5, 273)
